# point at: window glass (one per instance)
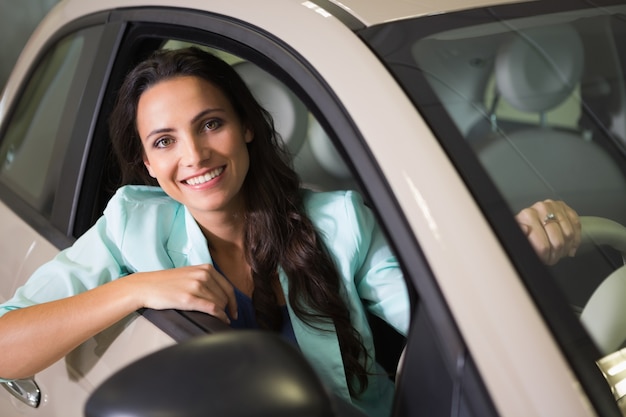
(545, 121)
(540, 100)
(34, 141)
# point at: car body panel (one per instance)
(67, 384)
(15, 250)
(372, 13)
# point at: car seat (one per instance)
(290, 115)
(316, 159)
(535, 72)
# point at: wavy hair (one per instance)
(278, 233)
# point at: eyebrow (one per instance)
(205, 113)
(195, 119)
(158, 132)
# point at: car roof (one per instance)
(375, 12)
(368, 13)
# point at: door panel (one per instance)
(18, 239)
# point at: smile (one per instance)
(201, 179)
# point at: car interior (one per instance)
(547, 122)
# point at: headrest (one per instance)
(289, 113)
(538, 68)
(325, 152)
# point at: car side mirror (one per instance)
(229, 374)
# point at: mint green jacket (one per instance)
(142, 229)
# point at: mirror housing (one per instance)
(229, 374)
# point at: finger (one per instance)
(217, 312)
(570, 229)
(227, 290)
(526, 229)
(557, 241)
(558, 227)
(574, 222)
(529, 221)
(540, 241)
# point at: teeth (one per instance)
(206, 177)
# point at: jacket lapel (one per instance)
(187, 245)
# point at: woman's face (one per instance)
(194, 144)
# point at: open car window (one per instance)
(316, 159)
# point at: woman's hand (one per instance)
(29, 339)
(553, 229)
(191, 288)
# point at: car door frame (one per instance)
(276, 57)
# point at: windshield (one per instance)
(529, 101)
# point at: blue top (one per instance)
(143, 229)
(246, 316)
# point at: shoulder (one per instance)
(338, 212)
(140, 195)
(130, 198)
(316, 202)
(348, 203)
(135, 207)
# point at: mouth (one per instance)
(201, 179)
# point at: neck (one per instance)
(224, 234)
(222, 228)
(225, 240)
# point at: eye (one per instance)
(163, 142)
(212, 124)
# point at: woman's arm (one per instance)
(32, 338)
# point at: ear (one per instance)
(248, 135)
(148, 166)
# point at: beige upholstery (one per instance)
(316, 159)
(604, 315)
(290, 115)
(534, 73)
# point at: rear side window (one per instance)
(36, 138)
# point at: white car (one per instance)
(448, 116)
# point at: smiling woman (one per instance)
(228, 232)
(196, 151)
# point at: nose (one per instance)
(193, 150)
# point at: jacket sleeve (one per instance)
(92, 260)
(378, 278)
(371, 273)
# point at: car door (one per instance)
(47, 114)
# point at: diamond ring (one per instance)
(550, 217)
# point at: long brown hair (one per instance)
(278, 232)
